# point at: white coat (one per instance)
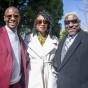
(41, 72)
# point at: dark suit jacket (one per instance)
(73, 71)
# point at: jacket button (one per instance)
(76, 59)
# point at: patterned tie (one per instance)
(68, 43)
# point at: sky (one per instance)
(74, 5)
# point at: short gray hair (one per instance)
(72, 12)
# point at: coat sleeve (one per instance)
(26, 41)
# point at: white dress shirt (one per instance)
(16, 55)
(69, 40)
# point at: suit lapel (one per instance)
(6, 39)
(58, 53)
(72, 49)
(23, 60)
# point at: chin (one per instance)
(12, 27)
(72, 34)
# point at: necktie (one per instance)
(66, 46)
(68, 43)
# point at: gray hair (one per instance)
(70, 13)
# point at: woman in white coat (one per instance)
(41, 47)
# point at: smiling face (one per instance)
(41, 24)
(12, 17)
(72, 24)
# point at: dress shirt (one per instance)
(16, 55)
(69, 40)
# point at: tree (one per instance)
(30, 8)
(63, 33)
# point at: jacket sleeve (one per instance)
(26, 41)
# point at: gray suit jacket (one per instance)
(73, 71)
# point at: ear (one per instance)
(79, 21)
(5, 19)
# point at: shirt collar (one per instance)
(9, 30)
(72, 37)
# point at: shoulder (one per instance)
(1, 29)
(84, 34)
(54, 38)
(3, 32)
(27, 39)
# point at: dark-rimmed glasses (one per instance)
(41, 21)
(16, 16)
(75, 21)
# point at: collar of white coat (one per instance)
(49, 44)
(54, 39)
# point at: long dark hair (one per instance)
(48, 17)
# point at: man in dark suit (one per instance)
(12, 52)
(72, 55)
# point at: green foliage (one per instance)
(30, 8)
(63, 33)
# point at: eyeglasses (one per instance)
(41, 21)
(75, 21)
(16, 16)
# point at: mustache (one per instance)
(74, 27)
(71, 28)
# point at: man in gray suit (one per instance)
(72, 55)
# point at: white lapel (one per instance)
(35, 46)
(40, 50)
(50, 44)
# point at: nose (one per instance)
(42, 23)
(71, 24)
(13, 18)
